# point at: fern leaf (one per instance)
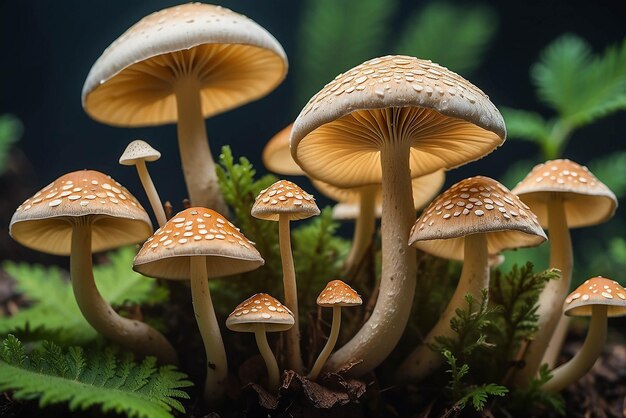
(525, 125)
(611, 170)
(54, 376)
(478, 395)
(10, 131)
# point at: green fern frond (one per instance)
(85, 380)
(10, 131)
(526, 125)
(532, 400)
(611, 170)
(478, 395)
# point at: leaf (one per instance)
(525, 125)
(479, 395)
(95, 378)
(611, 170)
(455, 36)
(10, 132)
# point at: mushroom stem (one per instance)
(134, 335)
(195, 154)
(474, 279)
(363, 228)
(151, 192)
(382, 331)
(584, 360)
(268, 356)
(217, 366)
(553, 295)
(330, 344)
(294, 358)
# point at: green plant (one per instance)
(10, 132)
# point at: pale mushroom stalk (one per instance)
(195, 154)
(363, 228)
(268, 356)
(474, 279)
(151, 192)
(330, 344)
(584, 360)
(380, 334)
(134, 335)
(294, 357)
(217, 366)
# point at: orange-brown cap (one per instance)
(44, 221)
(338, 293)
(596, 291)
(472, 206)
(277, 155)
(196, 232)
(260, 309)
(586, 199)
(284, 197)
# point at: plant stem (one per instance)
(268, 356)
(330, 344)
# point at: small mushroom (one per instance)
(599, 298)
(137, 153)
(336, 295)
(260, 314)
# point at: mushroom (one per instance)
(277, 156)
(198, 244)
(386, 121)
(597, 297)
(260, 314)
(284, 201)
(137, 153)
(184, 64)
(564, 195)
(475, 218)
(83, 212)
(336, 295)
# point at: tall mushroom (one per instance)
(284, 201)
(184, 64)
(475, 218)
(198, 244)
(83, 212)
(564, 195)
(386, 121)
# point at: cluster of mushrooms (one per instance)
(377, 138)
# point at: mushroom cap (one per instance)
(260, 309)
(277, 155)
(596, 291)
(472, 206)
(191, 233)
(338, 293)
(284, 197)
(139, 150)
(236, 60)
(449, 122)
(44, 221)
(586, 199)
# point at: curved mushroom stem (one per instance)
(217, 365)
(553, 295)
(474, 279)
(363, 228)
(195, 154)
(382, 331)
(268, 356)
(556, 342)
(294, 357)
(151, 192)
(584, 360)
(134, 335)
(330, 344)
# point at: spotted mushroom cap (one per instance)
(277, 155)
(196, 232)
(338, 293)
(139, 150)
(449, 122)
(284, 197)
(257, 309)
(596, 291)
(475, 205)
(237, 61)
(586, 199)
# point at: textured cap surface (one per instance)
(196, 232)
(277, 155)
(472, 206)
(338, 293)
(260, 309)
(139, 150)
(236, 60)
(44, 221)
(284, 197)
(586, 199)
(596, 291)
(447, 120)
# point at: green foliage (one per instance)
(86, 379)
(10, 132)
(53, 312)
(533, 398)
(611, 170)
